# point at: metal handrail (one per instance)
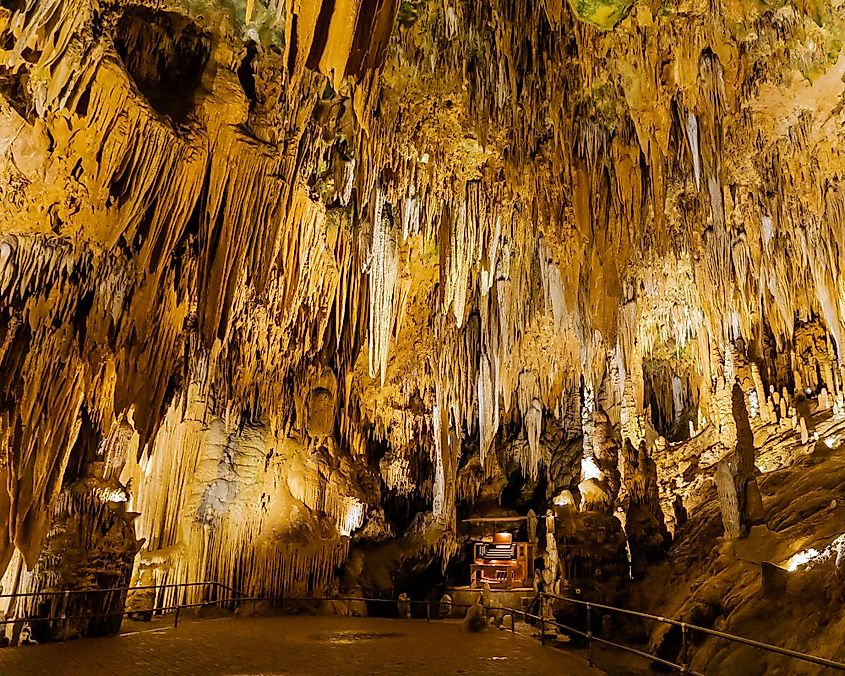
(240, 597)
(685, 627)
(64, 592)
(115, 613)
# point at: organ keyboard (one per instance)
(502, 563)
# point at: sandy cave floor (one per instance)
(297, 645)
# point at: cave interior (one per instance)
(363, 298)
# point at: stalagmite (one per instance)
(760, 393)
(728, 500)
(631, 421)
(824, 400)
(739, 495)
(601, 479)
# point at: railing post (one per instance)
(684, 665)
(542, 626)
(589, 635)
(176, 619)
(428, 611)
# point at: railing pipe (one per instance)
(111, 589)
(684, 626)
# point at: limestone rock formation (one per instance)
(90, 545)
(739, 495)
(593, 553)
(645, 527)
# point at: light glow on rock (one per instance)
(802, 558)
(589, 469)
(563, 499)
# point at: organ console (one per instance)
(502, 563)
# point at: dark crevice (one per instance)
(13, 87)
(165, 54)
(321, 34)
(246, 75)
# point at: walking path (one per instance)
(294, 645)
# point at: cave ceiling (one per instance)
(415, 224)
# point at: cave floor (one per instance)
(297, 645)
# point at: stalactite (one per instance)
(692, 137)
(532, 422)
(488, 406)
(384, 266)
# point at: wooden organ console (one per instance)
(502, 563)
